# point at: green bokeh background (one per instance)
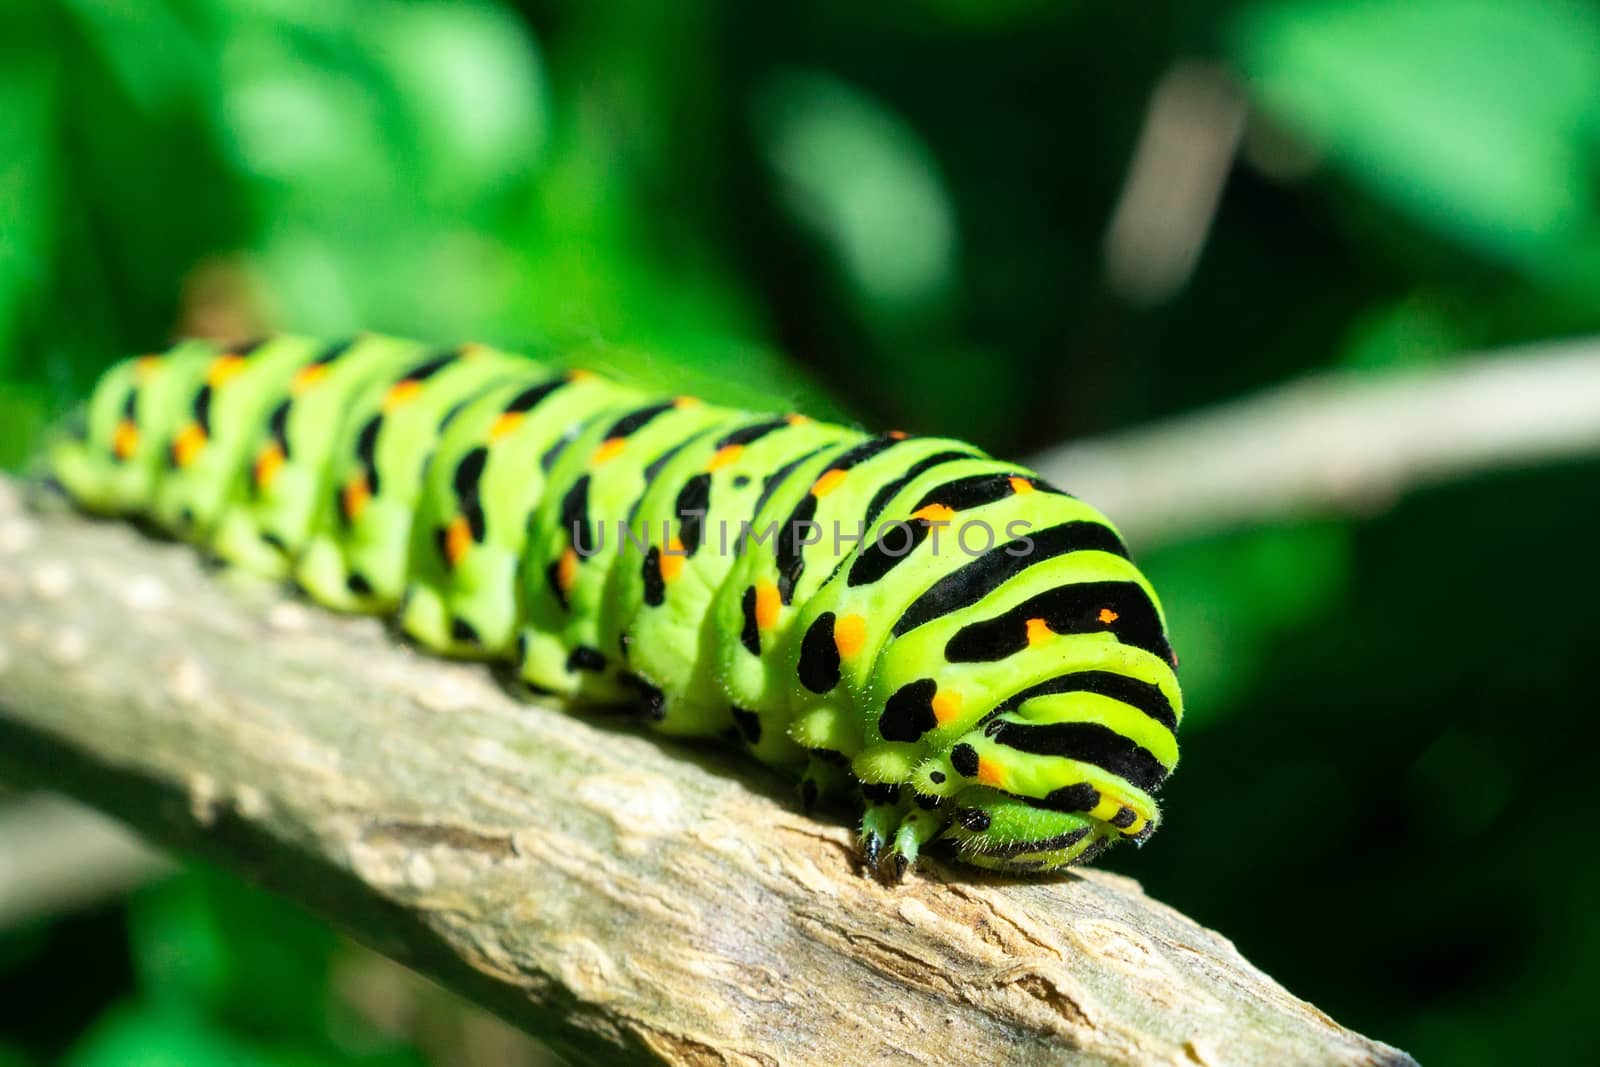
(896, 214)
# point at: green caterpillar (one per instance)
(968, 647)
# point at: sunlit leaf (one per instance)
(290, 119)
(205, 942)
(865, 183)
(1477, 117)
(473, 91)
(137, 1035)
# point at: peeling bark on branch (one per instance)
(623, 898)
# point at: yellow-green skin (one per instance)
(966, 646)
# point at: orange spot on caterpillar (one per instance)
(898, 435)
(400, 394)
(457, 540)
(849, 634)
(224, 368)
(1038, 632)
(125, 439)
(269, 461)
(307, 377)
(1108, 616)
(687, 402)
(353, 498)
(567, 570)
(505, 425)
(828, 482)
(145, 368)
(724, 456)
(581, 375)
(946, 706)
(672, 560)
(935, 513)
(187, 445)
(991, 773)
(768, 604)
(608, 450)
(796, 419)
(1021, 485)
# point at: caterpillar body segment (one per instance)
(579, 535)
(358, 553)
(127, 420)
(480, 489)
(691, 518)
(965, 647)
(839, 492)
(196, 478)
(289, 473)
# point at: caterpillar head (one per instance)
(1004, 832)
(1047, 785)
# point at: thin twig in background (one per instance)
(1175, 179)
(1345, 443)
(56, 856)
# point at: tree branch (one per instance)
(619, 896)
(1338, 442)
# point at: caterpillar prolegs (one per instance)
(967, 647)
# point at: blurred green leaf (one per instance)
(1414, 332)
(144, 1034)
(177, 953)
(29, 181)
(25, 412)
(155, 56)
(147, 1036)
(1228, 597)
(204, 942)
(472, 89)
(865, 183)
(229, 970)
(287, 118)
(1479, 118)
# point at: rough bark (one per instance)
(625, 899)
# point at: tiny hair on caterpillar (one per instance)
(907, 620)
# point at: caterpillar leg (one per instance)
(917, 827)
(885, 810)
(896, 825)
(877, 823)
